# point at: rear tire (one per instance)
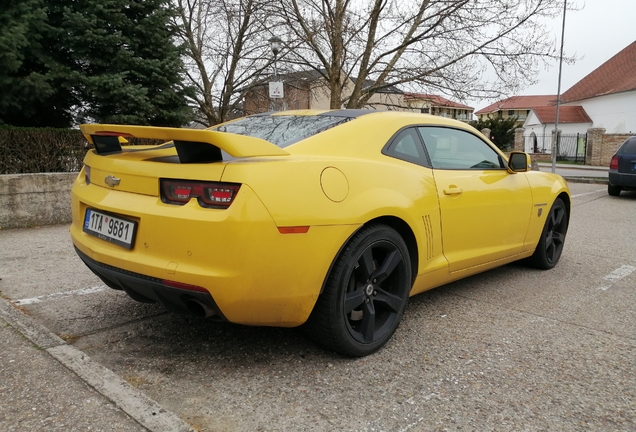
(550, 246)
(614, 190)
(365, 293)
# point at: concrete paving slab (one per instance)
(29, 256)
(37, 393)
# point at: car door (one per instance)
(485, 210)
(407, 146)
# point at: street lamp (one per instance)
(275, 88)
(555, 142)
(275, 42)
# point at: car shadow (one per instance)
(173, 339)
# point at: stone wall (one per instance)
(28, 200)
(601, 146)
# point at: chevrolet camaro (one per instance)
(326, 219)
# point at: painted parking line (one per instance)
(589, 193)
(618, 274)
(59, 295)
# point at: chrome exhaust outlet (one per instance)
(199, 309)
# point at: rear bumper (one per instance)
(153, 290)
(253, 274)
(624, 180)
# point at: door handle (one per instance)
(453, 190)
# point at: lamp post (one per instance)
(275, 88)
(555, 142)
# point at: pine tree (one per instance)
(64, 62)
(34, 90)
(130, 70)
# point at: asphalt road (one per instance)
(513, 349)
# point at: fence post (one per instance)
(594, 146)
(519, 140)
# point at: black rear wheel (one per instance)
(365, 293)
(550, 246)
(614, 190)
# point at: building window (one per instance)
(511, 113)
(425, 110)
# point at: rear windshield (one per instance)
(629, 146)
(282, 130)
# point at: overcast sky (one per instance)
(593, 34)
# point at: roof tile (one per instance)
(519, 102)
(567, 114)
(616, 75)
(437, 100)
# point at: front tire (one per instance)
(365, 293)
(550, 246)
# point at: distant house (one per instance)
(518, 106)
(608, 93)
(309, 90)
(605, 98)
(437, 105)
(541, 122)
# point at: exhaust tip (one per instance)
(199, 309)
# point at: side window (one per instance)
(628, 147)
(457, 149)
(407, 146)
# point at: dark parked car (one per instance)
(622, 172)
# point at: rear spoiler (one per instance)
(193, 145)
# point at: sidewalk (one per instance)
(39, 394)
(47, 385)
(578, 173)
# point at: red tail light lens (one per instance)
(614, 163)
(208, 194)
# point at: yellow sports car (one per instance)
(328, 219)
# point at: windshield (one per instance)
(281, 130)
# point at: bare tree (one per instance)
(449, 46)
(227, 52)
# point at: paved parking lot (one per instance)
(513, 349)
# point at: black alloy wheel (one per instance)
(365, 294)
(550, 246)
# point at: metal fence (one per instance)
(570, 147)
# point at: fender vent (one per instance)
(429, 236)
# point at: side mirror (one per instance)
(519, 162)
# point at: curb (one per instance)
(133, 402)
(592, 180)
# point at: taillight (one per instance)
(184, 286)
(208, 194)
(614, 163)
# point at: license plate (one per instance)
(111, 228)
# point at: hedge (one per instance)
(39, 150)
